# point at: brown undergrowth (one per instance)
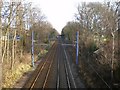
(21, 65)
(89, 65)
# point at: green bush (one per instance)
(46, 41)
(41, 54)
(92, 47)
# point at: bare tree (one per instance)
(118, 9)
(14, 42)
(0, 45)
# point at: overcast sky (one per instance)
(59, 12)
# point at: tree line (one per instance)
(17, 20)
(97, 24)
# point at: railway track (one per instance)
(32, 82)
(53, 72)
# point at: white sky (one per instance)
(59, 12)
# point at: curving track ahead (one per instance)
(54, 70)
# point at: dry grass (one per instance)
(20, 67)
(10, 77)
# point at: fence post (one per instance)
(77, 46)
(32, 49)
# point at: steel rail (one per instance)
(69, 68)
(58, 72)
(66, 69)
(49, 69)
(42, 67)
(66, 72)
